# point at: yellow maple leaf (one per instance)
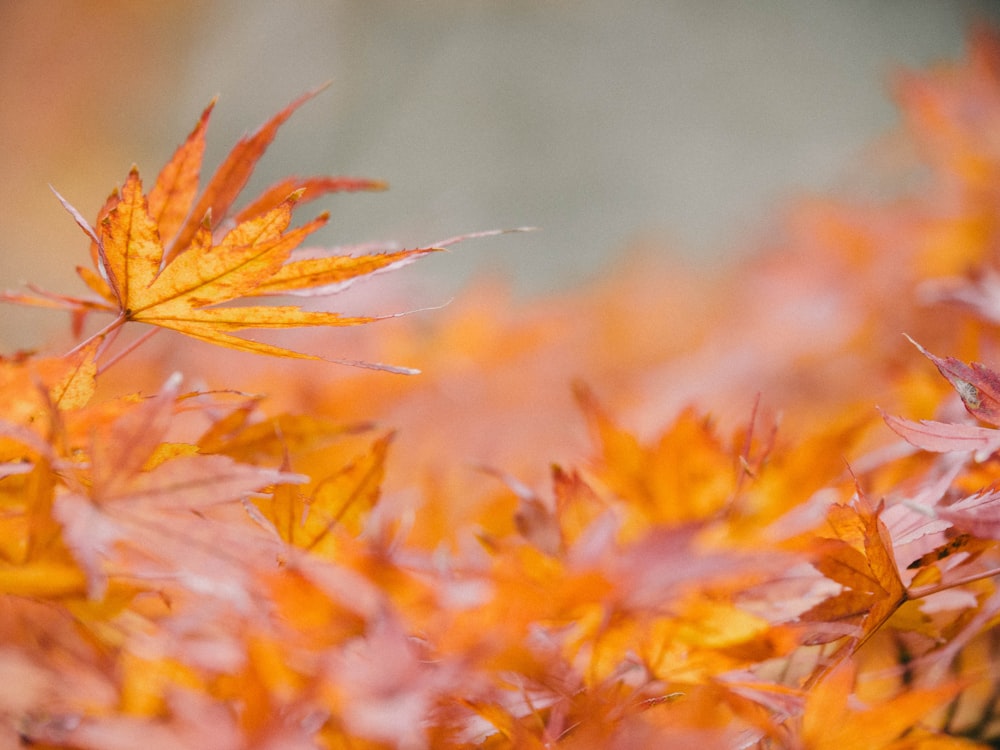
(168, 260)
(833, 720)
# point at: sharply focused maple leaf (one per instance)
(167, 260)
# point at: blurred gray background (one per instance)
(681, 122)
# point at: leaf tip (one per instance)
(913, 341)
(394, 369)
(321, 88)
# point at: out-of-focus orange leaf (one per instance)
(43, 580)
(337, 503)
(34, 391)
(135, 488)
(859, 556)
(831, 722)
(686, 475)
(577, 505)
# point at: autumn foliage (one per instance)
(755, 509)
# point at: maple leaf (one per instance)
(639, 605)
(978, 514)
(38, 397)
(391, 689)
(979, 388)
(977, 385)
(686, 475)
(831, 720)
(34, 390)
(859, 556)
(335, 503)
(945, 437)
(169, 261)
(153, 500)
(577, 505)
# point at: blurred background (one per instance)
(678, 124)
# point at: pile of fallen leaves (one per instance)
(668, 510)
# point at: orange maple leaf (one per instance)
(859, 556)
(168, 261)
(835, 720)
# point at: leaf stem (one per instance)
(130, 348)
(926, 591)
(101, 334)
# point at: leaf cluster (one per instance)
(487, 556)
